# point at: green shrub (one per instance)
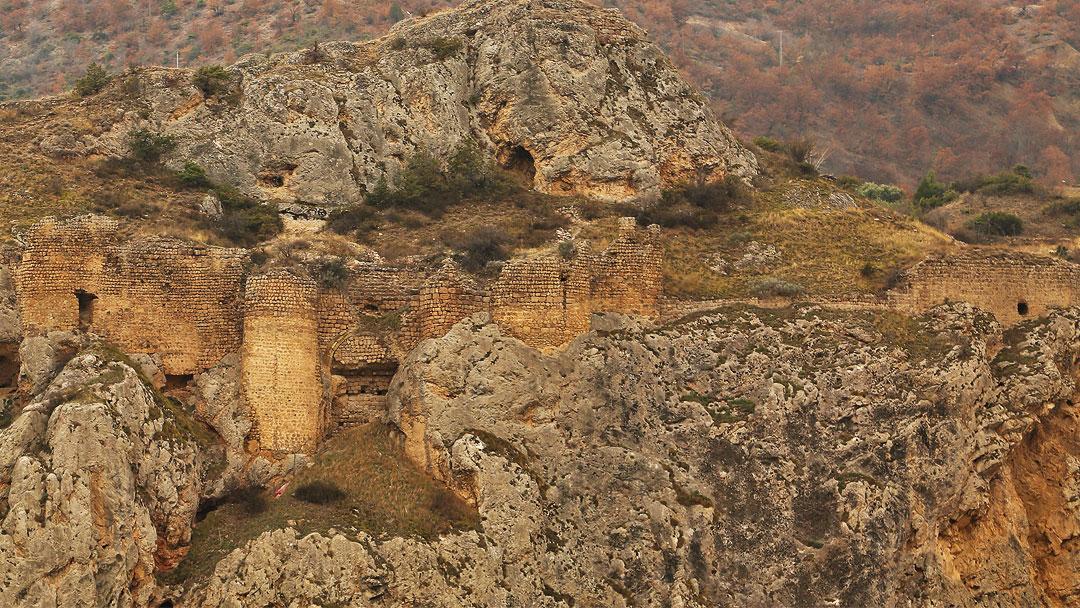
(697, 205)
(1069, 206)
(716, 196)
(319, 492)
(932, 194)
(149, 147)
(331, 274)
(769, 144)
(1017, 181)
(245, 221)
(93, 81)
(470, 172)
(849, 182)
(674, 216)
(1007, 183)
(212, 80)
(193, 176)
(997, 223)
(881, 192)
(423, 185)
(396, 13)
(777, 288)
(479, 248)
(120, 203)
(442, 47)
(352, 220)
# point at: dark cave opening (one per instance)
(522, 163)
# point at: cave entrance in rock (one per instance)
(9, 366)
(87, 302)
(521, 163)
(175, 382)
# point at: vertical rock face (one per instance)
(571, 96)
(98, 487)
(800, 458)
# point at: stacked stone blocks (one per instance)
(156, 295)
(1011, 285)
(281, 373)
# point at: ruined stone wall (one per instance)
(627, 276)
(445, 299)
(153, 295)
(376, 288)
(282, 379)
(546, 301)
(543, 301)
(1011, 285)
(362, 367)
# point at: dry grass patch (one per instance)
(381, 493)
(829, 252)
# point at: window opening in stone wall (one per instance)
(86, 301)
(1022, 308)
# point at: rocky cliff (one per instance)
(738, 457)
(99, 485)
(572, 97)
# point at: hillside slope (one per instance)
(891, 89)
(329, 124)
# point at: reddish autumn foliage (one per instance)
(893, 89)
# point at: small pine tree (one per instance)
(396, 13)
(469, 171)
(932, 194)
(148, 147)
(93, 81)
(211, 80)
(193, 176)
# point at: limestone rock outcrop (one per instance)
(800, 458)
(573, 97)
(98, 488)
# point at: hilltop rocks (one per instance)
(98, 487)
(570, 96)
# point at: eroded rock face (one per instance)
(763, 458)
(98, 487)
(571, 96)
(800, 458)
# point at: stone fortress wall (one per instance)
(318, 358)
(546, 301)
(280, 363)
(154, 295)
(312, 358)
(1011, 285)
